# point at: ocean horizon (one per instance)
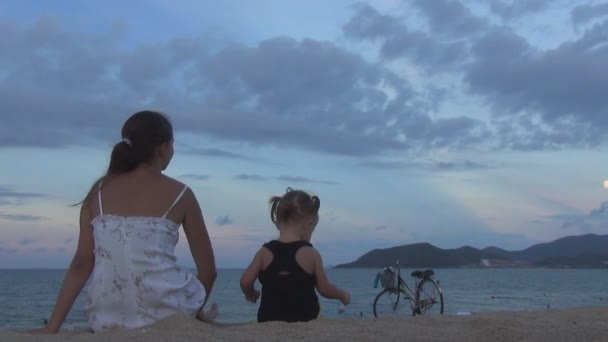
(28, 295)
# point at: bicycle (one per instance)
(421, 302)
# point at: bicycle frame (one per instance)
(402, 285)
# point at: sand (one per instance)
(578, 324)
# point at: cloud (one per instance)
(80, 86)
(8, 196)
(437, 166)
(246, 177)
(6, 192)
(8, 250)
(297, 179)
(595, 221)
(583, 14)
(284, 178)
(458, 166)
(383, 165)
(538, 98)
(450, 17)
(41, 250)
(397, 40)
(381, 228)
(513, 9)
(20, 217)
(219, 153)
(28, 241)
(69, 240)
(195, 176)
(544, 99)
(224, 220)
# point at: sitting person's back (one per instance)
(129, 226)
(136, 280)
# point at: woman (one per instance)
(129, 225)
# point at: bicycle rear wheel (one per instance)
(429, 298)
(392, 302)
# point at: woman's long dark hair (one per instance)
(142, 133)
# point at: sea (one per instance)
(27, 297)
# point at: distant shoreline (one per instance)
(478, 268)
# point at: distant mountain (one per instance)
(574, 251)
(569, 246)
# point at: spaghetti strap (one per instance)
(99, 197)
(176, 200)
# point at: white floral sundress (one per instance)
(136, 280)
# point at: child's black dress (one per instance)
(288, 292)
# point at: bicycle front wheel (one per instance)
(392, 302)
(429, 298)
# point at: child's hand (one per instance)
(345, 298)
(252, 296)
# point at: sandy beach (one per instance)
(579, 324)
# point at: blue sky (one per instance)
(451, 122)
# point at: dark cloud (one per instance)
(381, 228)
(19, 217)
(513, 9)
(450, 17)
(29, 241)
(6, 192)
(457, 166)
(41, 250)
(595, 221)
(289, 179)
(195, 176)
(384, 165)
(214, 152)
(298, 179)
(246, 177)
(311, 94)
(79, 87)
(540, 98)
(463, 165)
(224, 220)
(585, 13)
(397, 40)
(8, 250)
(547, 99)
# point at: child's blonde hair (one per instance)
(294, 205)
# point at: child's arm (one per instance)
(250, 275)
(325, 288)
(77, 275)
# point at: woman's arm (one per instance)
(77, 275)
(200, 244)
(250, 275)
(325, 288)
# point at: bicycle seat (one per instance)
(422, 274)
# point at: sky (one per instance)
(470, 122)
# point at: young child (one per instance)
(289, 268)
